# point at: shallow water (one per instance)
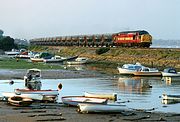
(134, 89)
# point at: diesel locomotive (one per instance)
(139, 38)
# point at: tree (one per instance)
(7, 43)
(1, 33)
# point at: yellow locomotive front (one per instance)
(145, 40)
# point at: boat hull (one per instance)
(111, 96)
(31, 96)
(99, 108)
(166, 74)
(19, 101)
(75, 100)
(171, 97)
(44, 92)
(147, 74)
(54, 60)
(37, 59)
(126, 71)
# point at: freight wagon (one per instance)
(140, 38)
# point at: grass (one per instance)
(23, 64)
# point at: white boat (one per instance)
(75, 100)
(40, 57)
(146, 71)
(171, 97)
(129, 69)
(13, 52)
(100, 108)
(23, 56)
(43, 92)
(33, 75)
(23, 95)
(55, 59)
(111, 96)
(170, 72)
(78, 61)
(19, 101)
(37, 59)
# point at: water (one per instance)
(137, 90)
(165, 44)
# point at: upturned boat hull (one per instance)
(99, 108)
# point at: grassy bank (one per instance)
(23, 64)
(160, 58)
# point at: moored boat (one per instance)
(55, 59)
(75, 100)
(44, 92)
(78, 61)
(23, 95)
(111, 96)
(37, 59)
(171, 97)
(19, 101)
(100, 108)
(129, 69)
(170, 72)
(146, 71)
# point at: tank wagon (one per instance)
(140, 38)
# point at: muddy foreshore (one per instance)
(59, 112)
(10, 74)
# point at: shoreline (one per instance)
(59, 112)
(9, 74)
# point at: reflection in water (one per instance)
(170, 101)
(171, 80)
(134, 84)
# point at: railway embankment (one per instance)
(153, 57)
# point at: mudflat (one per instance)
(59, 112)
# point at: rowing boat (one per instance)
(44, 92)
(23, 95)
(111, 96)
(75, 100)
(171, 97)
(19, 101)
(100, 108)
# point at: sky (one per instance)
(30, 19)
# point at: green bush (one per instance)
(102, 50)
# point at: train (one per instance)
(139, 38)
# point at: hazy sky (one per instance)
(46, 18)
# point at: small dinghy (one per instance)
(75, 100)
(44, 92)
(110, 96)
(20, 101)
(171, 97)
(170, 72)
(100, 108)
(23, 95)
